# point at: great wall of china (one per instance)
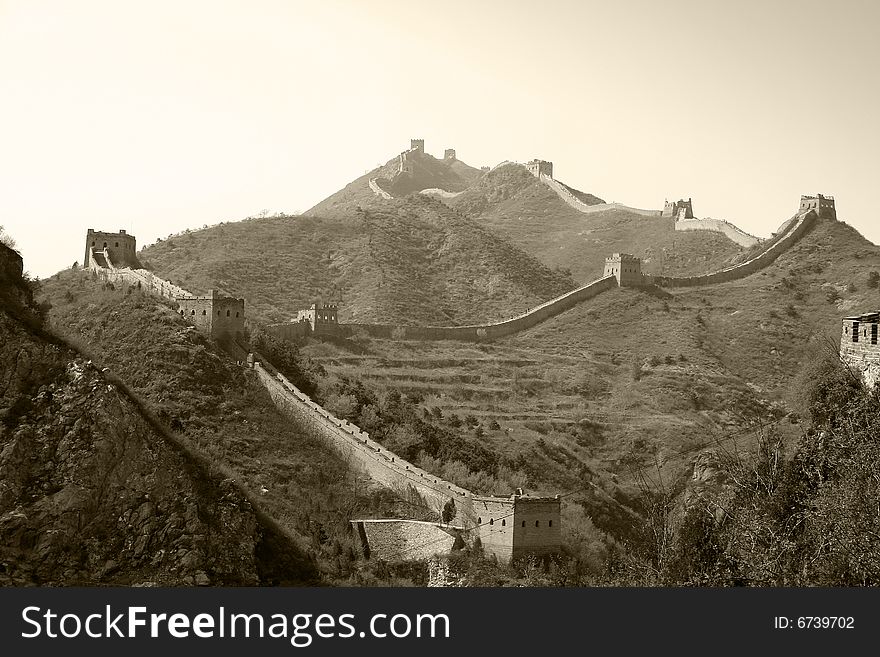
(507, 527)
(789, 233)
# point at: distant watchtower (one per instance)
(449, 154)
(823, 205)
(322, 316)
(417, 145)
(680, 209)
(540, 167)
(626, 268)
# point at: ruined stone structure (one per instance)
(449, 154)
(219, 316)
(626, 268)
(518, 526)
(680, 209)
(119, 248)
(417, 145)
(540, 168)
(823, 205)
(859, 348)
(485, 169)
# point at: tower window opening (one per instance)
(537, 522)
(204, 312)
(491, 521)
(873, 334)
(855, 333)
(523, 523)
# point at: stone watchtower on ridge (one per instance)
(680, 209)
(449, 154)
(119, 248)
(823, 205)
(417, 145)
(540, 168)
(626, 268)
(219, 316)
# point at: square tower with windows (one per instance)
(626, 268)
(219, 316)
(105, 250)
(823, 205)
(518, 526)
(859, 348)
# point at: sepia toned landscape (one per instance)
(447, 373)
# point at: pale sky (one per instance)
(165, 115)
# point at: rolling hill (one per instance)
(414, 261)
(516, 205)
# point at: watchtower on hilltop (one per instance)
(680, 209)
(449, 154)
(626, 268)
(823, 205)
(540, 167)
(859, 346)
(219, 316)
(110, 250)
(417, 145)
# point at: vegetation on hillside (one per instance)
(515, 205)
(416, 262)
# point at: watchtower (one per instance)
(449, 154)
(540, 167)
(322, 316)
(626, 268)
(110, 249)
(859, 346)
(417, 145)
(823, 205)
(680, 209)
(518, 526)
(219, 316)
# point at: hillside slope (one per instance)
(516, 205)
(415, 261)
(96, 492)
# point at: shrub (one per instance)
(873, 279)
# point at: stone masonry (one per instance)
(859, 348)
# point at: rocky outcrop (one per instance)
(94, 490)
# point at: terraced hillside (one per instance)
(516, 205)
(639, 377)
(415, 261)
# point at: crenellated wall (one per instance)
(790, 233)
(472, 332)
(360, 450)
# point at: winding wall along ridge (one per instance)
(358, 448)
(719, 226)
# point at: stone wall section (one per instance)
(360, 450)
(403, 540)
(719, 226)
(790, 233)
